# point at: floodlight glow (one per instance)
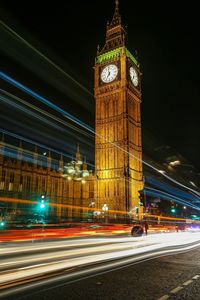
(174, 163)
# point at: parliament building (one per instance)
(118, 176)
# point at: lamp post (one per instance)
(91, 211)
(98, 196)
(76, 170)
(105, 210)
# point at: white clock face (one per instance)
(134, 76)
(109, 73)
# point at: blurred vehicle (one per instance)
(26, 221)
(194, 227)
(36, 219)
(137, 230)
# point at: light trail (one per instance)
(37, 116)
(67, 124)
(170, 189)
(116, 254)
(85, 208)
(18, 37)
(14, 135)
(20, 249)
(67, 254)
(28, 156)
(30, 113)
(85, 126)
(44, 101)
(159, 193)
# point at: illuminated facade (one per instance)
(27, 175)
(118, 150)
(118, 154)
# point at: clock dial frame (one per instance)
(109, 73)
(134, 76)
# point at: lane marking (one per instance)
(177, 289)
(187, 282)
(164, 297)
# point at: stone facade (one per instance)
(22, 179)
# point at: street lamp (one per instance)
(174, 163)
(105, 210)
(76, 170)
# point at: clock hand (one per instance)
(108, 71)
(108, 74)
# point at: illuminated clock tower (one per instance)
(118, 145)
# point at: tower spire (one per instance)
(78, 148)
(78, 155)
(116, 20)
(85, 164)
(115, 32)
(116, 4)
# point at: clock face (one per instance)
(109, 73)
(134, 76)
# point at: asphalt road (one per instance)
(169, 277)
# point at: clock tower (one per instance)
(118, 148)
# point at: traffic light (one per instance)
(42, 201)
(141, 196)
(173, 210)
(2, 224)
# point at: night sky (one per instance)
(165, 36)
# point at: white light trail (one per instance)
(146, 248)
(14, 34)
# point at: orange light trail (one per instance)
(83, 208)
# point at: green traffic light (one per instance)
(173, 210)
(2, 224)
(42, 202)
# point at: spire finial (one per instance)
(78, 155)
(98, 48)
(116, 4)
(116, 17)
(85, 164)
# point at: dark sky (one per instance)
(165, 34)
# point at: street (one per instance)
(150, 280)
(146, 267)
